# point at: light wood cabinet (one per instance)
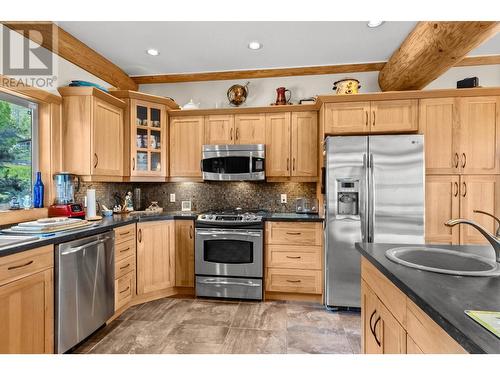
(92, 134)
(479, 135)
(442, 203)
(125, 266)
(186, 141)
(155, 256)
(219, 129)
(304, 144)
(388, 116)
(438, 123)
(184, 253)
(278, 145)
(392, 323)
(27, 302)
(250, 129)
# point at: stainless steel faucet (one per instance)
(494, 240)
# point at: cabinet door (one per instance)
(347, 118)
(155, 256)
(369, 304)
(26, 315)
(479, 135)
(250, 129)
(304, 144)
(389, 332)
(148, 139)
(441, 204)
(278, 144)
(219, 129)
(394, 116)
(478, 192)
(107, 139)
(186, 140)
(184, 253)
(439, 124)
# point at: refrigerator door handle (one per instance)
(364, 202)
(371, 199)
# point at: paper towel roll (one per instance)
(91, 203)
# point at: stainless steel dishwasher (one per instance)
(85, 289)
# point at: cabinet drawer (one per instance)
(125, 249)
(124, 290)
(427, 335)
(16, 266)
(303, 257)
(293, 233)
(124, 266)
(387, 292)
(293, 281)
(124, 233)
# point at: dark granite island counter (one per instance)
(445, 297)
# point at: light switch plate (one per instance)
(172, 197)
(186, 206)
(283, 198)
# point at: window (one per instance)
(18, 150)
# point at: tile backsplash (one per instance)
(207, 195)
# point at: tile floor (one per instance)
(199, 326)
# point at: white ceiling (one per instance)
(217, 46)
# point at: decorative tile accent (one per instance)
(207, 195)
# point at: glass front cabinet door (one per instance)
(148, 139)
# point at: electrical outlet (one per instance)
(172, 197)
(283, 198)
(186, 205)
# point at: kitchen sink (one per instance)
(6, 241)
(443, 261)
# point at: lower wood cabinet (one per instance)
(392, 324)
(184, 253)
(125, 266)
(27, 302)
(155, 256)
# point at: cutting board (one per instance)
(488, 319)
(42, 230)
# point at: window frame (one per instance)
(35, 140)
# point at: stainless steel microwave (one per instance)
(233, 162)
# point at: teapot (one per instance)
(191, 105)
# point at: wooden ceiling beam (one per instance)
(73, 50)
(430, 50)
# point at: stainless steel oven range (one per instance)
(229, 254)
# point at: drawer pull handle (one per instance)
(122, 268)
(127, 249)
(125, 290)
(294, 233)
(293, 281)
(124, 233)
(297, 257)
(20, 266)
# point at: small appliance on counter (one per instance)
(306, 206)
(64, 202)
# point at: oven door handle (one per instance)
(250, 234)
(216, 282)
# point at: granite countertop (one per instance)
(445, 297)
(108, 223)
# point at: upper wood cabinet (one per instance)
(219, 129)
(184, 253)
(93, 121)
(278, 144)
(462, 135)
(305, 144)
(292, 144)
(155, 256)
(27, 302)
(250, 129)
(235, 129)
(388, 116)
(186, 141)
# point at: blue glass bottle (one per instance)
(38, 191)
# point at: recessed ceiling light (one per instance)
(255, 45)
(375, 23)
(153, 52)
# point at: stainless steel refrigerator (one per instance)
(374, 193)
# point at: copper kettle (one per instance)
(237, 94)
